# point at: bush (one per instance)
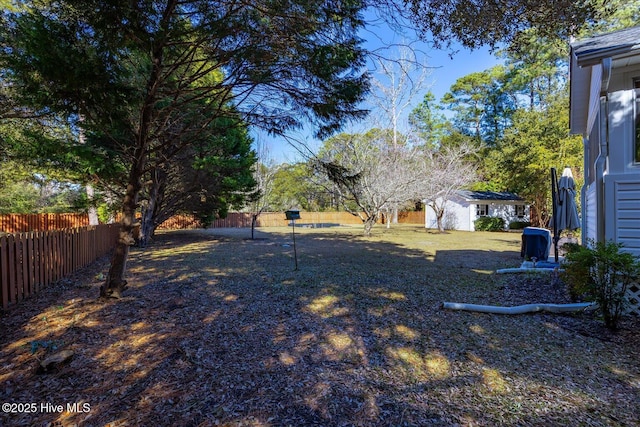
(518, 225)
(602, 274)
(489, 223)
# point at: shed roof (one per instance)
(489, 196)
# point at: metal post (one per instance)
(292, 215)
(295, 252)
(554, 204)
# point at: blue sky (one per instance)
(446, 67)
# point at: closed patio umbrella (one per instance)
(565, 212)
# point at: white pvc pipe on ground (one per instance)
(519, 309)
(528, 270)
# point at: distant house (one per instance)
(466, 206)
(605, 110)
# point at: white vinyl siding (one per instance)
(622, 211)
(628, 215)
(460, 213)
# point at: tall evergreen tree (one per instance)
(481, 104)
(129, 69)
(537, 69)
(537, 141)
(428, 122)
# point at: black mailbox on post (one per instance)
(292, 215)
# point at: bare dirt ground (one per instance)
(218, 329)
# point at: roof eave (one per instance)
(594, 57)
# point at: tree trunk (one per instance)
(148, 223)
(254, 221)
(369, 223)
(439, 216)
(115, 283)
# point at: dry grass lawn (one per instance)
(217, 329)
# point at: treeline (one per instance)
(504, 129)
(145, 107)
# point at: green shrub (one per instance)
(602, 274)
(518, 225)
(489, 223)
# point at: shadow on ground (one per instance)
(220, 330)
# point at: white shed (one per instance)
(466, 206)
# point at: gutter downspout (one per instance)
(603, 156)
(584, 218)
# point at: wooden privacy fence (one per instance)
(411, 217)
(33, 260)
(180, 222)
(17, 223)
(277, 219)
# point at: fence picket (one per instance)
(43, 259)
(68, 251)
(28, 258)
(79, 242)
(46, 258)
(4, 270)
(22, 273)
(36, 262)
(19, 269)
(25, 266)
(52, 257)
(13, 272)
(63, 253)
(58, 255)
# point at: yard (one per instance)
(218, 329)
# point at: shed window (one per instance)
(519, 211)
(482, 210)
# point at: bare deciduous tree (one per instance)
(370, 174)
(447, 169)
(263, 173)
(396, 82)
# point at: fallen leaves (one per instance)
(221, 331)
